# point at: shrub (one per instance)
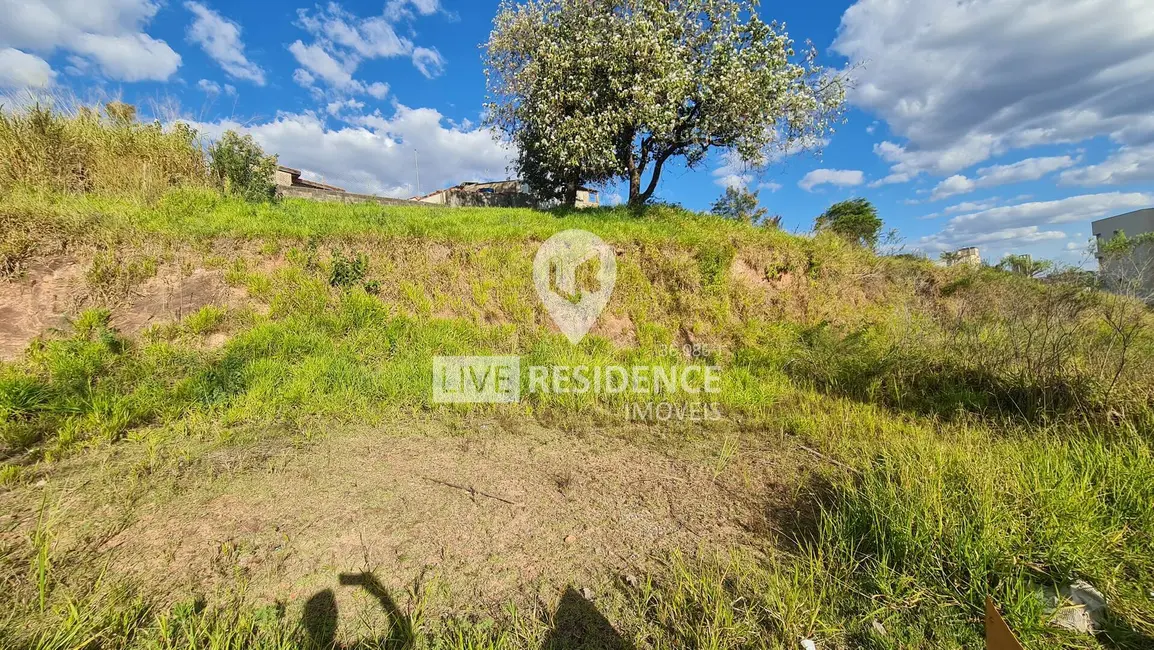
(855, 220)
(739, 204)
(241, 168)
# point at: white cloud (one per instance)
(1126, 165)
(135, 57)
(1023, 222)
(733, 172)
(376, 154)
(304, 78)
(769, 185)
(342, 40)
(209, 87)
(428, 61)
(892, 179)
(319, 64)
(838, 177)
(338, 107)
(377, 89)
(971, 206)
(964, 81)
(22, 70)
(109, 33)
(737, 173)
(399, 9)
(220, 39)
(956, 184)
(1030, 169)
(370, 38)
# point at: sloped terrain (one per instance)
(218, 428)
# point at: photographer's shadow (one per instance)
(578, 624)
(320, 616)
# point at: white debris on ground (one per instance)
(808, 644)
(1079, 607)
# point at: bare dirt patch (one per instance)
(54, 289)
(38, 302)
(172, 295)
(482, 518)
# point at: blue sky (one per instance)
(1006, 124)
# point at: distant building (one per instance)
(289, 177)
(969, 256)
(509, 194)
(1137, 269)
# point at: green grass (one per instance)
(988, 438)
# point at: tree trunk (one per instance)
(643, 197)
(634, 184)
(570, 200)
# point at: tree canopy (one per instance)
(739, 204)
(1025, 265)
(856, 220)
(595, 90)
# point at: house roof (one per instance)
(304, 182)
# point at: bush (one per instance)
(739, 204)
(855, 220)
(240, 167)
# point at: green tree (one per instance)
(1025, 265)
(592, 90)
(739, 204)
(240, 167)
(856, 220)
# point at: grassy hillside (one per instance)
(896, 442)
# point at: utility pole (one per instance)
(417, 165)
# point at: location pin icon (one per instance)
(564, 263)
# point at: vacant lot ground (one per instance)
(466, 517)
(217, 431)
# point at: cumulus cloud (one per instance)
(737, 173)
(319, 64)
(1030, 169)
(1126, 165)
(838, 177)
(22, 70)
(964, 81)
(374, 154)
(1024, 222)
(220, 39)
(342, 40)
(377, 89)
(107, 33)
(428, 61)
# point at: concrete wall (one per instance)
(466, 198)
(340, 197)
(282, 179)
(1135, 272)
